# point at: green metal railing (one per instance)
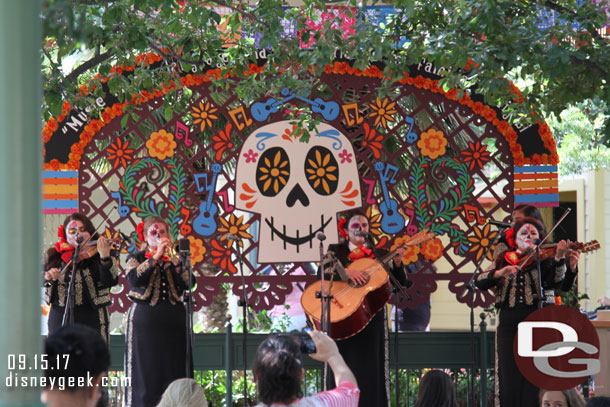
(416, 350)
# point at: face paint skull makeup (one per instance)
(357, 223)
(526, 236)
(76, 229)
(297, 188)
(153, 235)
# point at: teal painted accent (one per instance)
(20, 183)
(535, 168)
(59, 174)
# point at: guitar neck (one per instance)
(212, 189)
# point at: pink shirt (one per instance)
(344, 395)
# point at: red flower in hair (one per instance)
(60, 233)
(510, 238)
(341, 227)
(140, 230)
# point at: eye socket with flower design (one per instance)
(273, 171)
(322, 170)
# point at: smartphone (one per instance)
(307, 344)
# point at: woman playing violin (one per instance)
(155, 353)
(96, 273)
(516, 288)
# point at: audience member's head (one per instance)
(527, 211)
(598, 402)
(277, 370)
(183, 393)
(77, 358)
(564, 398)
(436, 390)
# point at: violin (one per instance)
(547, 251)
(90, 248)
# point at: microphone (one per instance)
(231, 236)
(321, 236)
(499, 224)
(127, 239)
(79, 238)
(184, 247)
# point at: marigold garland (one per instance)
(342, 68)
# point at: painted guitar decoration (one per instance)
(205, 224)
(353, 306)
(391, 220)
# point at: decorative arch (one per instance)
(420, 158)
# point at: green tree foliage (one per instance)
(564, 66)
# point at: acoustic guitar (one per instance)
(354, 305)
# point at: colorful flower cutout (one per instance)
(235, 227)
(250, 156)
(198, 249)
(322, 172)
(222, 141)
(477, 155)
(272, 172)
(372, 140)
(221, 256)
(383, 111)
(204, 115)
(432, 249)
(432, 143)
(161, 145)
(411, 252)
(120, 153)
(345, 156)
(481, 240)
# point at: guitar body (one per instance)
(205, 224)
(352, 308)
(391, 220)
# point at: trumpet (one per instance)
(172, 251)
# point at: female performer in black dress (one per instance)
(366, 352)
(155, 352)
(96, 273)
(517, 296)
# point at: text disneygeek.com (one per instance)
(61, 383)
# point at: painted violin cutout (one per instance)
(549, 250)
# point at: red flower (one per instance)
(222, 141)
(119, 152)
(221, 256)
(477, 155)
(372, 140)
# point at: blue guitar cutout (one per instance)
(205, 223)
(391, 220)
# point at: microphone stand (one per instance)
(68, 318)
(185, 259)
(324, 307)
(243, 302)
(398, 289)
(470, 289)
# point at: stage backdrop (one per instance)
(419, 158)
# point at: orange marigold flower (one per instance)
(120, 153)
(204, 114)
(45, 310)
(235, 227)
(383, 112)
(221, 256)
(161, 144)
(222, 141)
(432, 249)
(54, 164)
(411, 252)
(372, 140)
(197, 249)
(452, 94)
(432, 143)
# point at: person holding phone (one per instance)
(278, 372)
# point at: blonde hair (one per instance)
(183, 393)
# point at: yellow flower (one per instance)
(161, 144)
(482, 240)
(432, 143)
(236, 227)
(384, 111)
(204, 115)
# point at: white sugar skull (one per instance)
(297, 188)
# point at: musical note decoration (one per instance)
(123, 209)
(236, 113)
(391, 220)
(348, 119)
(182, 132)
(472, 213)
(205, 223)
(185, 228)
(411, 135)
